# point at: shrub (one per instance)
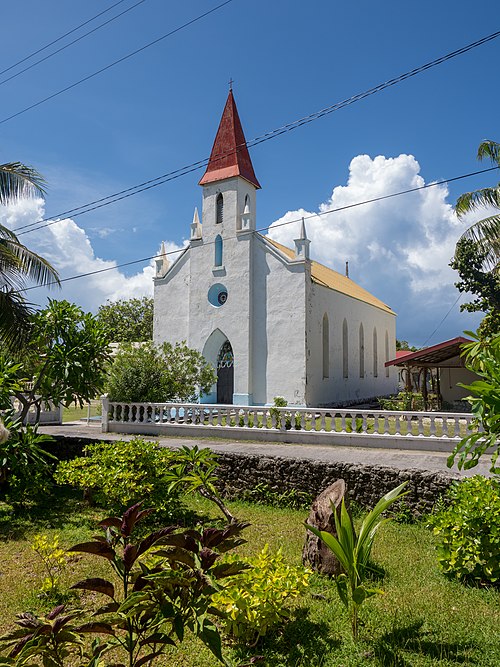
(147, 608)
(469, 531)
(117, 474)
(280, 402)
(157, 374)
(255, 600)
(25, 466)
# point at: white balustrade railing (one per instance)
(406, 424)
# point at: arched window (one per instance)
(361, 351)
(246, 208)
(375, 354)
(345, 350)
(219, 208)
(387, 353)
(218, 250)
(326, 347)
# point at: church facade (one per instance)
(270, 320)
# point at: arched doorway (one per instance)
(225, 373)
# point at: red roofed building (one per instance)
(441, 366)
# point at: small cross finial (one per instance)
(231, 83)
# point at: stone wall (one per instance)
(365, 483)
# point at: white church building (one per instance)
(270, 320)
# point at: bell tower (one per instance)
(229, 182)
(222, 258)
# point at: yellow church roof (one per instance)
(322, 275)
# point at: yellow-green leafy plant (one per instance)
(468, 530)
(353, 550)
(116, 474)
(54, 561)
(256, 600)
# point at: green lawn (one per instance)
(423, 620)
(75, 413)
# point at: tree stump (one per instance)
(315, 553)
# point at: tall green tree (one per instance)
(469, 262)
(65, 359)
(128, 320)
(486, 232)
(18, 264)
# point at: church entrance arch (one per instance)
(225, 373)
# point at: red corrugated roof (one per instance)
(229, 156)
(430, 355)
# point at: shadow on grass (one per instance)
(301, 642)
(398, 647)
(64, 509)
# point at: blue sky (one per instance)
(160, 109)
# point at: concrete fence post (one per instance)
(105, 409)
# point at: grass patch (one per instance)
(75, 413)
(423, 620)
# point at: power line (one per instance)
(182, 171)
(42, 48)
(50, 221)
(262, 229)
(78, 39)
(444, 318)
(116, 62)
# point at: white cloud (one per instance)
(68, 248)
(398, 248)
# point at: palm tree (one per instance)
(484, 233)
(18, 264)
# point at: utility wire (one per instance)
(314, 215)
(34, 53)
(182, 171)
(444, 318)
(262, 229)
(78, 39)
(116, 62)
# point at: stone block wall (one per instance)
(365, 483)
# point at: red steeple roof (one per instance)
(229, 156)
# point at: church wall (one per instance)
(279, 328)
(337, 389)
(171, 303)
(232, 318)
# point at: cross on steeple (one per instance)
(231, 83)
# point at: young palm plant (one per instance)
(353, 551)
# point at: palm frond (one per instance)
(486, 234)
(471, 201)
(490, 150)
(6, 234)
(18, 181)
(15, 320)
(33, 266)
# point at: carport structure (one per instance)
(441, 366)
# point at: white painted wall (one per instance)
(272, 317)
(336, 389)
(171, 303)
(449, 377)
(278, 326)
